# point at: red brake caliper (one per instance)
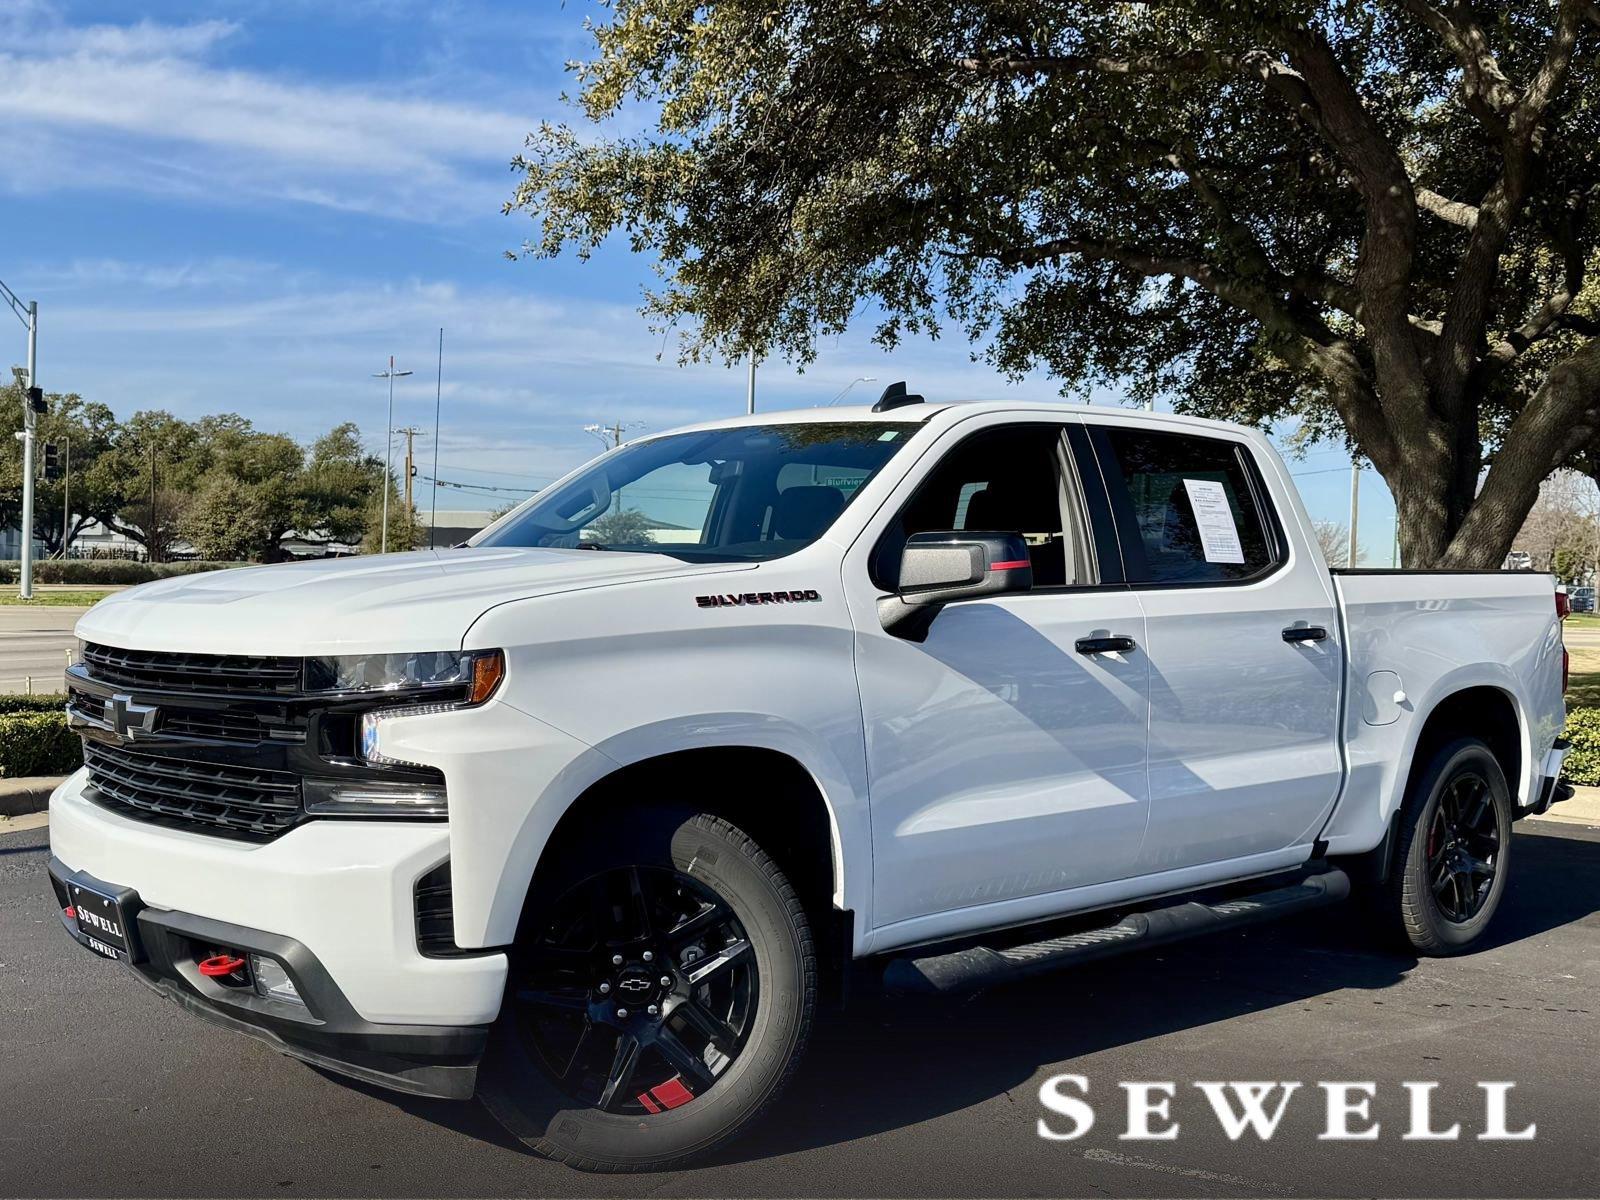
(670, 1094)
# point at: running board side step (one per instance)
(981, 966)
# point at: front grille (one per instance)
(228, 724)
(210, 797)
(232, 674)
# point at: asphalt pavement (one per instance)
(106, 1089)
(34, 642)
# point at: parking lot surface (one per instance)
(106, 1089)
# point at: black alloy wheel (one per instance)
(660, 991)
(1450, 862)
(639, 992)
(1463, 847)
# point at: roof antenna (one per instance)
(894, 396)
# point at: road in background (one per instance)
(109, 1089)
(34, 642)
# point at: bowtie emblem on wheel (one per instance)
(128, 720)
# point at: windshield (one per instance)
(746, 494)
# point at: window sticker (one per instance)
(1219, 536)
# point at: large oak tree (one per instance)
(1378, 217)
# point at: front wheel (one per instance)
(660, 994)
(1452, 857)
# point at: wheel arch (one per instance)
(769, 793)
(1486, 712)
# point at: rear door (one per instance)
(1242, 638)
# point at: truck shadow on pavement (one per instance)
(885, 1066)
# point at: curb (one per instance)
(29, 794)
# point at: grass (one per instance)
(1583, 621)
(80, 599)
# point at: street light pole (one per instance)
(750, 390)
(388, 456)
(28, 314)
(1355, 510)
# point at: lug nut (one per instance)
(604, 988)
(622, 1012)
(666, 981)
(616, 960)
(652, 1010)
(648, 956)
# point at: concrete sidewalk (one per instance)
(27, 794)
(1582, 809)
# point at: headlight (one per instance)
(442, 681)
(478, 670)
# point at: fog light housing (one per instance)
(273, 982)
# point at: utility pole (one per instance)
(66, 495)
(388, 457)
(410, 432)
(155, 523)
(611, 435)
(32, 401)
(1355, 509)
(750, 390)
(438, 400)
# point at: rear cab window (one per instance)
(1189, 510)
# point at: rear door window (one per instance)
(1189, 510)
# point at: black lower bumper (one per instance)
(165, 951)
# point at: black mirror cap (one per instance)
(942, 568)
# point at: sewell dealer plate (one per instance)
(101, 920)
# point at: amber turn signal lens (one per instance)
(487, 671)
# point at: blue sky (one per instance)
(248, 206)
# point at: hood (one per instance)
(386, 603)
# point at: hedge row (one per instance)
(37, 743)
(106, 570)
(50, 702)
(1583, 760)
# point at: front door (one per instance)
(1244, 696)
(1005, 765)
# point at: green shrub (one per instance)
(33, 704)
(38, 743)
(1583, 760)
(107, 570)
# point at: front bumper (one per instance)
(334, 895)
(166, 947)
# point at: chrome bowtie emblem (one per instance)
(129, 720)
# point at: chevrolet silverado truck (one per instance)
(590, 816)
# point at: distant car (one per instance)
(1581, 599)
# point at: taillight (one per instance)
(1565, 670)
(1563, 605)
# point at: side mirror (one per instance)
(941, 568)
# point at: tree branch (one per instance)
(1488, 93)
(1446, 209)
(1007, 63)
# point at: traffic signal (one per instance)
(35, 400)
(52, 461)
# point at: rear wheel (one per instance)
(660, 994)
(1451, 861)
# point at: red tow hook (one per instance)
(219, 965)
(70, 913)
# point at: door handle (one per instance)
(1305, 633)
(1115, 644)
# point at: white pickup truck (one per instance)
(589, 816)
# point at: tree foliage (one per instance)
(227, 489)
(1377, 217)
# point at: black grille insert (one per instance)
(246, 674)
(205, 796)
(436, 919)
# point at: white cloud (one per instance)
(140, 107)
